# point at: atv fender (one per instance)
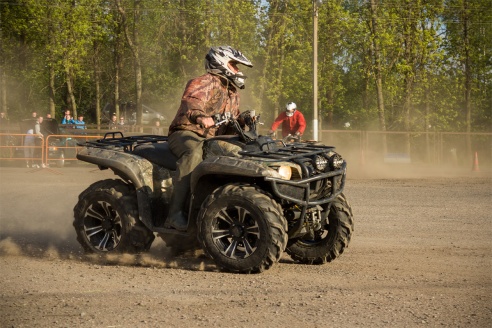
(230, 166)
(129, 167)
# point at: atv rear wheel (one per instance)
(242, 229)
(105, 219)
(329, 242)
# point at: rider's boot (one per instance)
(177, 221)
(175, 218)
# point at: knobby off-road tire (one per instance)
(329, 242)
(242, 229)
(105, 219)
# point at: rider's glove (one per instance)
(298, 134)
(270, 132)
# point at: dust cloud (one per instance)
(36, 215)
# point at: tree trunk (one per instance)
(378, 73)
(279, 78)
(117, 67)
(270, 46)
(410, 43)
(427, 126)
(71, 96)
(134, 46)
(138, 65)
(97, 82)
(468, 78)
(407, 105)
(52, 89)
(51, 67)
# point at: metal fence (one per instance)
(438, 148)
(54, 150)
(358, 147)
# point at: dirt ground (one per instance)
(420, 256)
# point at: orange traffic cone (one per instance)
(475, 163)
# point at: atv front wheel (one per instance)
(105, 219)
(329, 242)
(242, 229)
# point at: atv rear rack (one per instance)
(117, 142)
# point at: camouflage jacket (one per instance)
(205, 96)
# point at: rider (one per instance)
(292, 121)
(205, 96)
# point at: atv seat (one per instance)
(157, 153)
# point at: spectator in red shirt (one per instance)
(292, 121)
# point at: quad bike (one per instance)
(251, 199)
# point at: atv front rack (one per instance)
(289, 152)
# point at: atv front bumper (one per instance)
(327, 186)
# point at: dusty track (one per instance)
(420, 256)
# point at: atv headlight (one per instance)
(285, 172)
(320, 163)
(336, 162)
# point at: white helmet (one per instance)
(290, 109)
(219, 59)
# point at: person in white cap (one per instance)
(292, 121)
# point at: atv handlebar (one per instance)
(222, 119)
(291, 138)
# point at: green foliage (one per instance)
(422, 43)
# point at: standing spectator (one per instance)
(79, 122)
(113, 125)
(157, 128)
(38, 142)
(67, 119)
(121, 124)
(48, 115)
(34, 115)
(67, 112)
(292, 121)
(66, 116)
(29, 147)
(47, 127)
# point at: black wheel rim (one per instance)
(235, 232)
(102, 226)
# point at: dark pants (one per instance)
(38, 151)
(188, 147)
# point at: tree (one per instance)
(378, 69)
(466, 34)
